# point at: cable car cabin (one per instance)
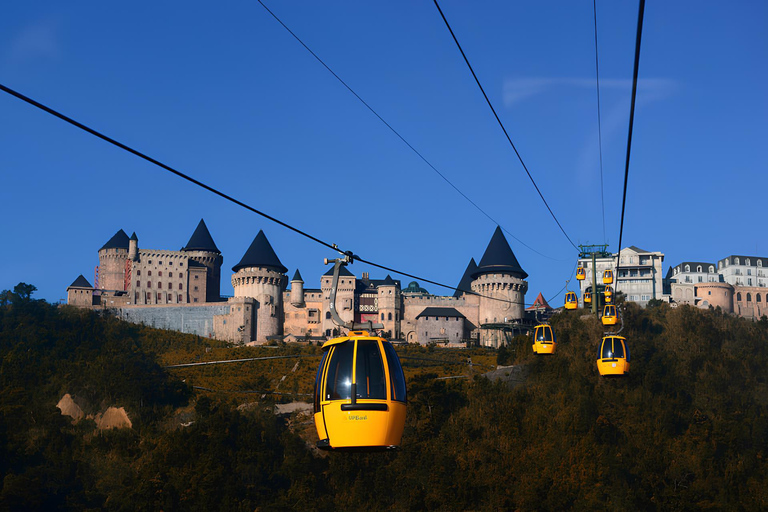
(608, 293)
(609, 315)
(571, 302)
(360, 394)
(544, 341)
(613, 356)
(608, 277)
(587, 297)
(581, 274)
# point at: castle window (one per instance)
(738, 297)
(327, 315)
(160, 285)
(687, 268)
(159, 296)
(170, 286)
(180, 288)
(138, 284)
(757, 298)
(138, 272)
(747, 263)
(698, 268)
(149, 297)
(195, 299)
(150, 262)
(196, 276)
(149, 284)
(749, 297)
(382, 317)
(195, 288)
(179, 298)
(711, 269)
(160, 273)
(735, 261)
(149, 272)
(389, 316)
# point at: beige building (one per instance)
(180, 290)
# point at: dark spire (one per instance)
(388, 281)
(134, 237)
(118, 241)
(343, 271)
(80, 282)
(465, 285)
(201, 240)
(297, 276)
(260, 254)
(499, 258)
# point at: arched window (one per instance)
(711, 269)
(759, 263)
(687, 268)
(698, 268)
(735, 261)
(747, 263)
(327, 315)
(757, 298)
(382, 317)
(389, 316)
(749, 297)
(738, 297)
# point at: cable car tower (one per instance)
(594, 252)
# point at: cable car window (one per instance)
(543, 334)
(396, 376)
(318, 386)
(607, 350)
(618, 348)
(339, 377)
(369, 373)
(626, 347)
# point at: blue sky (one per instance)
(225, 94)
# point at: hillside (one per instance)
(686, 429)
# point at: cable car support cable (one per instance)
(502, 125)
(417, 152)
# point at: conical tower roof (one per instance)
(260, 254)
(499, 258)
(80, 282)
(465, 285)
(201, 240)
(297, 276)
(539, 303)
(118, 241)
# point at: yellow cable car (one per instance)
(609, 315)
(608, 293)
(587, 297)
(608, 277)
(580, 274)
(544, 341)
(613, 356)
(571, 302)
(360, 394)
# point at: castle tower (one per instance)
(202, 251)
(389, 306)
(297, 290)
(112, 258)
(80, 292)
(500, 276)
(260, 275)
(133, 247)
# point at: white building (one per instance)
(639, 277)
(744, 270)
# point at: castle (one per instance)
(180, 290)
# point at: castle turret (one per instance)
(297, 290)
(202, 252)
(261, 276)
(112, 258)
(500, 281)
(133, 247)
(389, 306)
